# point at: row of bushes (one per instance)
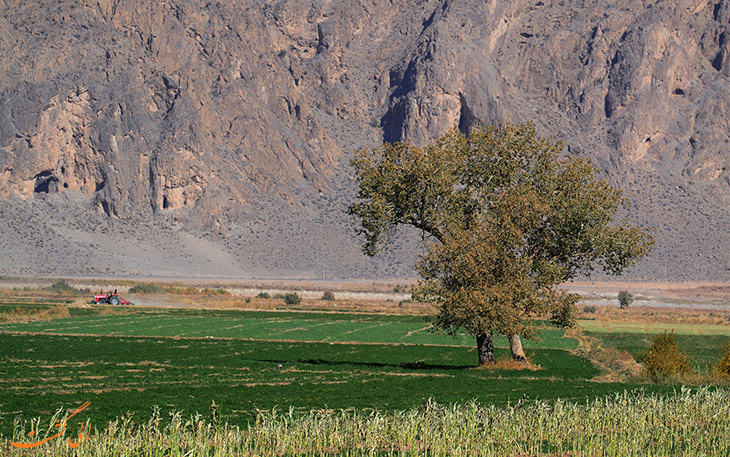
(664, 361)
(290, 298)
(62, 287)
(293, 298)
(146, 288)
(159, 288)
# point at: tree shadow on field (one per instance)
(419, 365)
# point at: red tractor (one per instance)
(110, 299)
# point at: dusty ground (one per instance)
(660, 294)
(693, 292)
(649, 314)
(652, 300)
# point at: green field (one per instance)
(182, 360)
(262, 325)
(701, 342)
(652, 328)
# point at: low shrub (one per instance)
(292, 298)
(207, 291)
(328, 295)
(147, 288)
(722, 368)
(176, 289)
(664, 360)
(625, 299)
(589, 309)
(62, 287)
(183, 290)
(264, 295)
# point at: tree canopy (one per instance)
(508, 220)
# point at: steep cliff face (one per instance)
(129, 102)
(231, 123)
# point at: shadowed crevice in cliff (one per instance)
(234, 124)
(393, 121)
(466, 117)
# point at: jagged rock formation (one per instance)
(181, 137)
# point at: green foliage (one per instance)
(625, 298)
(589, 309)
(722, 368)
(182, 290)
(664, 360)
(292, 298)
(510, 221)
(147, 288)
(264, 295)
(62, 287)
(167, 288)
(328, 295)
(700, 346)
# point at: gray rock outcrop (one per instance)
(181, 137)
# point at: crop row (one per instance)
(625, 424)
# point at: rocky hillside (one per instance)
(183, 137)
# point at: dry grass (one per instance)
(716, 292)
(509, 364)
(616, 365)
(634, 314)
(722, 368)
(277, 304)
(20, 315)
(629, 424)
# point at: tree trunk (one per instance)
(515, 345)
(485, 347)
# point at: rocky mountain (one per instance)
(213, 138)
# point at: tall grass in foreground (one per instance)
(628, 424)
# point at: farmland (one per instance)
(700, 342)
(261, 325)
(184, 359)
(140, 363)
(626, 424)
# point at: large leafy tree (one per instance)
(508, 220)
